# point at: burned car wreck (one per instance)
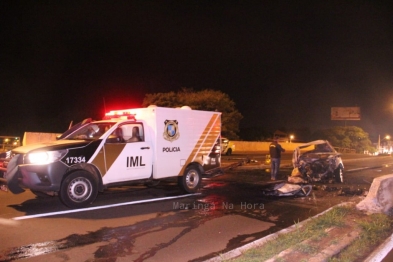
(317, 161)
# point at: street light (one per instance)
(387, 148)
(290, 138)
(387, 137)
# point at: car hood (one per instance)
(52, 145)
(297, 153)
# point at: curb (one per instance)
(375, 256)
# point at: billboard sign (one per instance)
(345, 113)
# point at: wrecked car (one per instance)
(318, 161)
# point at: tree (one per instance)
(208, 100)
(351, 137)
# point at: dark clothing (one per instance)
(275, 166)
(275, 158)
(275, 150)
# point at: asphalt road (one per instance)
(162, 224)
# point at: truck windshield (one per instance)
(92, 131)
(74, 128)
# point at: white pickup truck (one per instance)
(127, 146)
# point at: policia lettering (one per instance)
(171, 149)
(131, 162)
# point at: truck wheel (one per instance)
(229, 152)
(191, 179)
(78, 189)
(339, 175)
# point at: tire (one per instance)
(229, 152)
(40, 194)
(191, 179)
(78, 189)
(339, 175)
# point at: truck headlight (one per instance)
(45, 157)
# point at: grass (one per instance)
(306, 249)
(374, 230)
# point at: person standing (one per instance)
(275, 150)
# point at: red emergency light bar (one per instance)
(120, 114)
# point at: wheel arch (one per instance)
(197, 164)
(89, 168)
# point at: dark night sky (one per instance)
(284, 64)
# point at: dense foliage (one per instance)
(208, 100)
(351, 137)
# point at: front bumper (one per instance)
(35, 177)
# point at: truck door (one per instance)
(127, 156)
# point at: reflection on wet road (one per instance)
(135, 241)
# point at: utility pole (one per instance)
(379, 144)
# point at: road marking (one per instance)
(357, 169)
(101, 207)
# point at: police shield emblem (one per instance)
(171, 131)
